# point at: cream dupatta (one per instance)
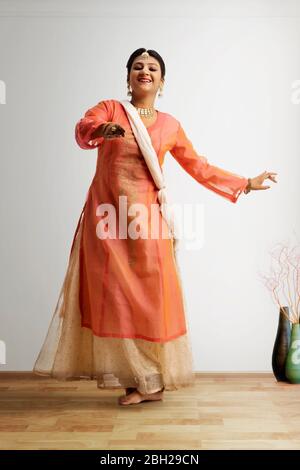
(144, 141)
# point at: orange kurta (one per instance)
(130, 288)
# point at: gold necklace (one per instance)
(145, 112)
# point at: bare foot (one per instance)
(136, 397)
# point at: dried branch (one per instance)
(284, 279)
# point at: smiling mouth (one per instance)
(144, 81)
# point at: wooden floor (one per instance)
(222, 411)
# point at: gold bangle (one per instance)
(248, 187)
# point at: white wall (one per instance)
(230, 67)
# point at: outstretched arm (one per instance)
(223, 182)
(92, 119)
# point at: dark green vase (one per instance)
(292, 367)
(281, 346)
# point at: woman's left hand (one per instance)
(257, 181)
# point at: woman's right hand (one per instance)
(108, 130)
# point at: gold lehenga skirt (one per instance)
(72, 352)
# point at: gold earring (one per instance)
(160, 91)
(128, 90)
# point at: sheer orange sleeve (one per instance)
(223, 182)
(92, 119)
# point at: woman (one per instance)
(120, 316)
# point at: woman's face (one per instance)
(148, 69)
